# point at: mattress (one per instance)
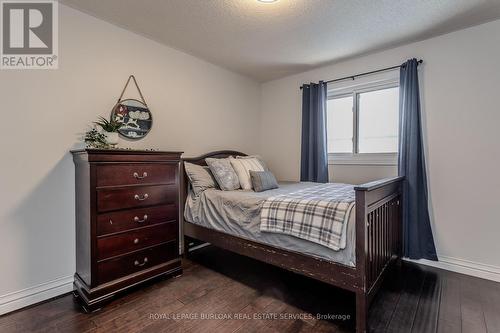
(238, 213)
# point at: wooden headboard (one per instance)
(200, 160)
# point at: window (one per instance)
(363, 123)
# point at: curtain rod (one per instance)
(352, 77)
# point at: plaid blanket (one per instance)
(317, 214)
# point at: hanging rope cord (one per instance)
(138, 89)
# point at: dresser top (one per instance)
(124, 155)
(122, 151)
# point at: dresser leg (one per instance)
(176, 274)
(91, 308)
(87, 308)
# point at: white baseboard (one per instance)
(467, 267)
(22, 298)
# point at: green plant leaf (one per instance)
(108, 125)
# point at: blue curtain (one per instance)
(314, 155)
(418, 242)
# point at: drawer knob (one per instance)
(136, 241)
(138, 220)
(144, 175)
(141, 198)
(144, 262)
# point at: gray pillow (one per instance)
(200, 177)
(223, 173)
(263, 180)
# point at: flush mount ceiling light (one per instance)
(267, 1)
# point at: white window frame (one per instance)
(356, 158)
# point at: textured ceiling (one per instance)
(268, 41)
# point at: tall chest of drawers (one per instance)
(127, 220)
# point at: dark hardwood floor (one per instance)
(217, 284)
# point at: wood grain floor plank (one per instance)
(230, 301)
(231, 297)
(471, 308)
(246, 316)
(426, 317)
(384, 305)
(139, 318)
(490, 298)
(450, 316)
(323, 326)
(406, 308)
(269, 318)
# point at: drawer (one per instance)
(135, 174)
(135, 196)
(135, 218)
(134, 262)
(129, 241)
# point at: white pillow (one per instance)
(258, 157)
(242, 166)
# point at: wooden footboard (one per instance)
(378, 238)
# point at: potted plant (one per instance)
(95, 139)
(110, 128)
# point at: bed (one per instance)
(372, 234)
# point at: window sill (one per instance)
(390, 159)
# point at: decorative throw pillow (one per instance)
(223, 173)
(243, 166)
(200, 177)
(263, 180)
(261, 160)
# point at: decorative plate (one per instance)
(135, 116)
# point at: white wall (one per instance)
(196, 107)
(359, 174)
(460, 83)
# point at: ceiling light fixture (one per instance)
(267, 1)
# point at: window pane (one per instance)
(378, 121)
(340, 125)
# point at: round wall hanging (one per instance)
(135, 115)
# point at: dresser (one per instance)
(127, 221)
